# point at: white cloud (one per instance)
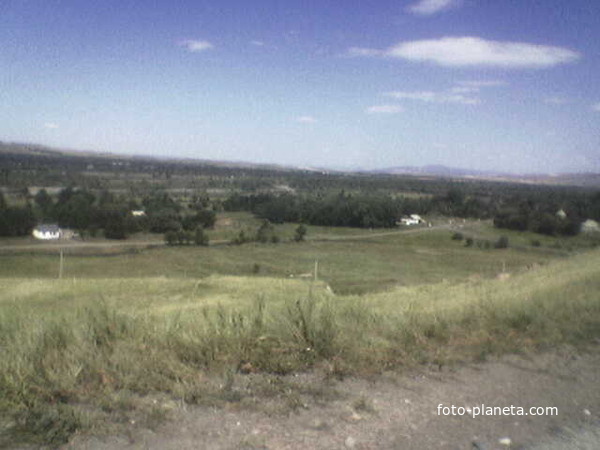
(306, 119)
(555, 100)
(384, 109)
(196, 46)
(435, 97)
(475, 86)
(361, 51)
(475, 52)
(257, 43)
(429, 7)
(482, 83)
(596, 107)
(51, 125)
(464, 90)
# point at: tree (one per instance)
(200, 237)
(116, 227)
(16, 221)
(264, 232)
(502, 242)
(300, 233)
(241, 238)
(203, 218)
(171, 238)
(44, 202)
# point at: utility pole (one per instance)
(61, 264)
(316, 276)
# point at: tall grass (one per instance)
(92, 356)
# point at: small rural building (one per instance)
(413, 219)
(47, 232)
(590, 226)
(561, 214)
(138, 213)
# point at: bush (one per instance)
(457, 236)
(502, 242)
(536, 243)
(469, 242)
(171, 237)
(300, 233)
(241, 238)
(200, 237)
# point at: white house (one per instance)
(413, 219)
(47, 232)
(590, 226)
(138, 213)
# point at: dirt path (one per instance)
(329, 237)
(400, 412)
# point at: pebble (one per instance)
(505, 441)
(350, 442)
(587, 412)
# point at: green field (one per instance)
(349, 260)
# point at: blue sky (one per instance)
(505, 85)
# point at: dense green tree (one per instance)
(45, 205)
(200, 237)
(300, 233)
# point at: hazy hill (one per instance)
(572, 179)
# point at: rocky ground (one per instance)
(399, 411)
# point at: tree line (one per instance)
(105, 212)
(542, 211)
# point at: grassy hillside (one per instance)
(81, 352)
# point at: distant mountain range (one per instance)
(590, 179)
(435, 169)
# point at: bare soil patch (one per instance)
(394, 411)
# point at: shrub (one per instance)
(200, 237)
(241, 238)
(300, 233)
(171, 237)
(502, 242)
(457, 236)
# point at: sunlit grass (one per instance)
(101, 342)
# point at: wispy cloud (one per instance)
(429, 7)
(435, 97)
(482, 83)
(257, 43)
(361, 51)
(596, 107)
(475, 86)
(384, 109)
(555, 100)
(51, 125)
(475, 52)
(306, 119)
(196, 46)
